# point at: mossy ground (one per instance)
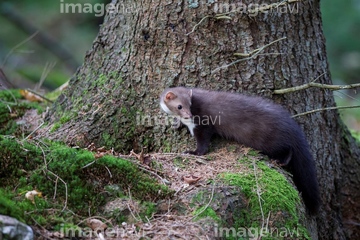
(74, 184)
(71, 180)
(12, 107)
(272, 209)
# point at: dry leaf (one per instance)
(31, 195)
(30, 96)
(146, 160)
(100, 154)
(246, 150)
(191, 179)
(96, 224)
(102, 149)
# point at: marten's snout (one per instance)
(187, 115)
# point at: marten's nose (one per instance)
(188, 116)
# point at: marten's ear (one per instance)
(169, 96)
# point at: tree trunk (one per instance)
(147, 46)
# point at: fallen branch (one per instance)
(17, 46)
(318, 85)
(39, 95)
(207, 205)
(38, 127)
(217, 17)
(66, 189)
(324, 109)
(258, 193)
(248, 56)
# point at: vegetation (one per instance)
(270, 205)
(72, 182)
(12, 107)
(269, 193)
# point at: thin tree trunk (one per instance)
(150, 45)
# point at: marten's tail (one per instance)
(304, 175)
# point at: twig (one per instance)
(17, 46)
(258, 50)
(4, 82)
(43, 152)
(207, 205)
(56, 182)
(217, 16)
(33, 131)
(164, 181)
(12, 95)
(127, 204)
(88, 164)
(39, 95)
(324, 109)
(108, 171)
(259, 195)
(250, 55)
(66, 189)
(193, 29)
(127, 158)
(182, 155)
(45, 40)
(47, 69)
(318, 85)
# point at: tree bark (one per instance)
(147, 46)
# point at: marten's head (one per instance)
(177, 102)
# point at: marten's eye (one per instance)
(179, 107)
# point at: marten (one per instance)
(253, 121)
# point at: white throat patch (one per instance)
(190, 124)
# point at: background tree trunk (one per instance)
(150, 45)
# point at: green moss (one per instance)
(253, 153)
(100, 81)
(55, 127)
(12, 107)
(181, 162)
(148, 210)
(71, 181)
(10, 96)
(277, 196)
(8, 206)
(166, 146)
(356, 135)
(123, 110)
(65, 119)
(203, 212)
(107, 139)
(53, 95)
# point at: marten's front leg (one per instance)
(203, 136)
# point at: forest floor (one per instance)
(95, 193)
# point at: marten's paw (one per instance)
(196, 152)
